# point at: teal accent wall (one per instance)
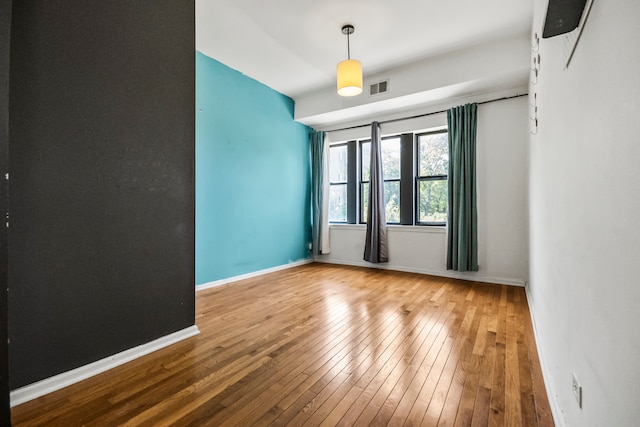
(253, 178)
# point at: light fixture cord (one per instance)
(348, 47)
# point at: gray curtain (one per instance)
(375, 248)
(462, 220)
(317, 188)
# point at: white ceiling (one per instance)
(293, 46)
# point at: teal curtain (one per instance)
(318, 161)
(462, 220)
(375, 246)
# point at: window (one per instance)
(390, 148)
(414, 169)
(433, 167)
(338, 163)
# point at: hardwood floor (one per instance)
(327, 345)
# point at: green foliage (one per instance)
(433, 154)
(432, 201)
(433, 161)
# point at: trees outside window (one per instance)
(433, 167)
(338, 164)
(390, 149)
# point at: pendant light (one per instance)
(349, 71)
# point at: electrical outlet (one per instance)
(577, 390)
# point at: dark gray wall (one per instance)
(5, 33)
(101, 244)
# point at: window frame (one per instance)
(361, 182)
(409, 179)
(420, 178)
(345, 183)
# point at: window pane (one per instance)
(391, 158)
(365, 148)
(433, 154)
(432, 201)
(338, 203)
(338, 163)
(390, 150)
(391, 201)
(364, 202)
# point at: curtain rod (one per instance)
(424, 115)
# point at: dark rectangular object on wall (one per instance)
(102, 138)
(562, 16)
(5, 36)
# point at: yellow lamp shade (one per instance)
(349, 77)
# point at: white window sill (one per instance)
(439, 229)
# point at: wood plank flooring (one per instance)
(326, 345)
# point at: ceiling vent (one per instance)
(379, 88)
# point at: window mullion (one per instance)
(352, 182)
(407, 175)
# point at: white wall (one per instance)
(584, 291)
(502, 207)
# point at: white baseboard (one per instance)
(556, 412)
(253, 274)
(474, 277)
(51, 384)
